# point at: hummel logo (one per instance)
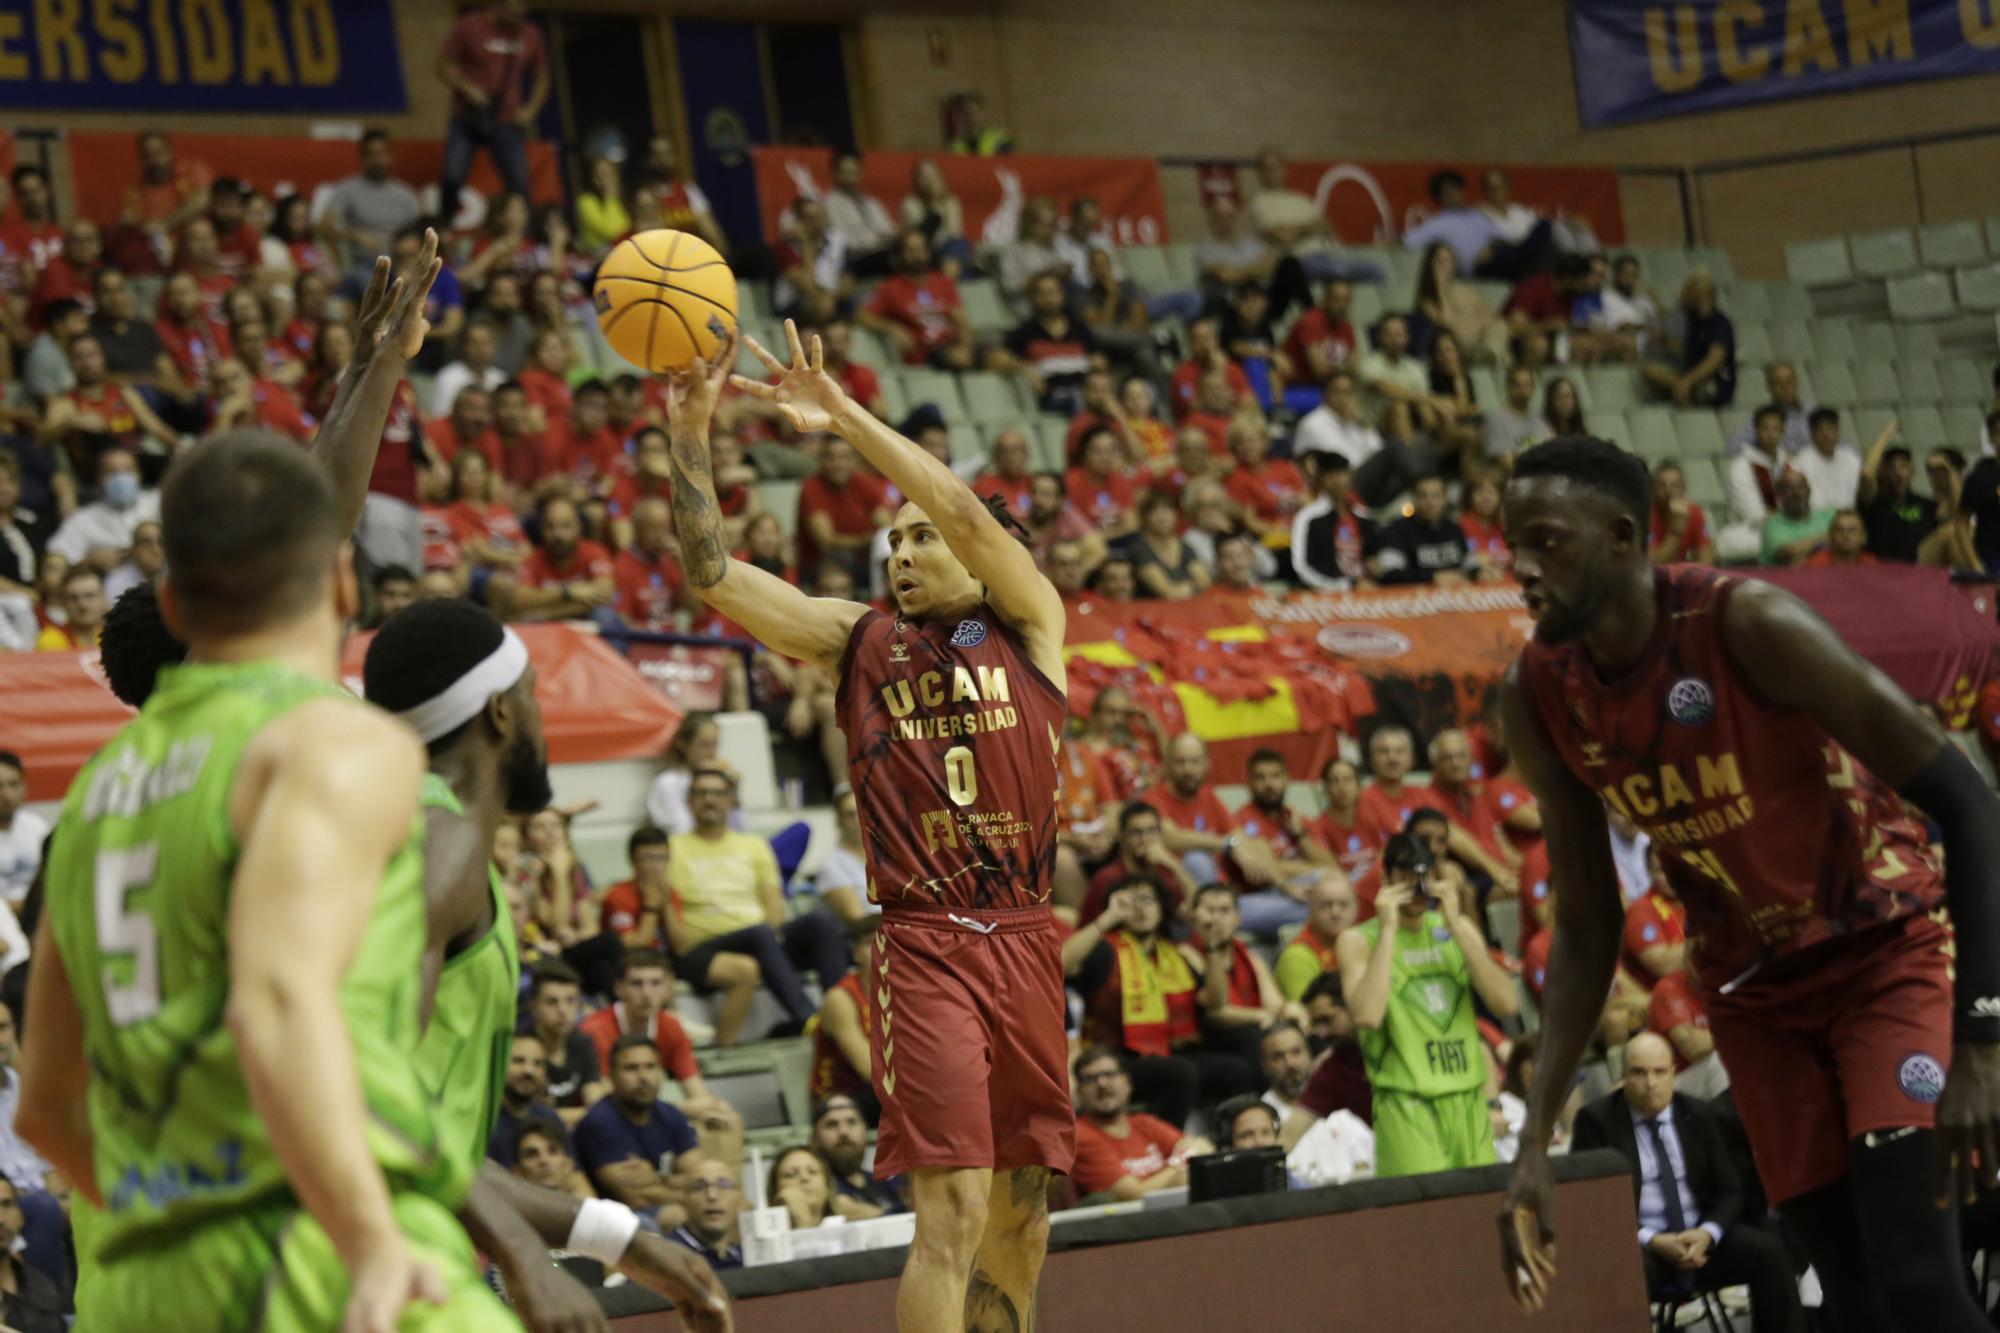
(1875, 1140)
(1986, 1006)
(983, 927)
(882, 998)
(1593, 754)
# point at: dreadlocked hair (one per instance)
(997, 506)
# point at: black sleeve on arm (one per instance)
(1950, 791)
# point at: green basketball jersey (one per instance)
(1428, 1043)
(138, 899)
(463, 1055)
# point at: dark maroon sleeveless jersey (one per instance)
(1774, 836)
(952, 736)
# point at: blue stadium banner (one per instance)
(1638, 60)
(200, 55)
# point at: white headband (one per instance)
(460, 703)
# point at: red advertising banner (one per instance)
(1374, 203)
(104, 165)
(692, 676)
(991, 190)
(56, 710)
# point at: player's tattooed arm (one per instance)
(691, 400)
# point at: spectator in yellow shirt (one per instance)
(729, 898)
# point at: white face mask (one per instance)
(121, 490)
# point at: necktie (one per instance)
(1670, 1192)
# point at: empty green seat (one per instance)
(1147, 266)
(1965, 381)
(1868, 423)
(1876, 381)
(1052, 433)
(966, 444)
(1834, 341)
(870, 348)
(1836, 384)
(1922, 428)
(1964, 426)
(939, 389)
(990, 398)
(1614, 388)
(1753, 343)
(1180, 266)
(1875, 342)
(985, 309)
(1486, 387)
(1950, 244)
(1792, 341)
(1700, 434)
(1884, 254)
(1716, 262)
(1790, 301)
(1609, 426)
(1921, 296)
(1653, 434)
(1979, 288)
(782, 499)
(1920, 383)
(753, 303)
(1749, 301)
(1704, 487)
(1664, 271)
(1915, 342)
(894, 404)
(1367, 306)
(1823, 263)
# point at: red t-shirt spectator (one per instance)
(851, 507)
(277, 410)
(1014, 493)
(194, 346)
(1534, 877)
(1203, 812)
(1102, 1161)
(1274, 492)
(649, 588)
(1649, 921)
(623, 906)
(1313, 330)
(301, 336)
(395, 471)
(1187, 378)
(1693, 537)
(60, 280)
(860, 383)
(1672, 1004)
(1351, 844)
(1536, 298)
(607, 1025)
(1482, 537)
(1471, 808)
(156, 201)
(585, 456)
(628, 491)
(1825, 557)
(1215, 427)
(1383, 817)
(1986, 720)
(502, 61)
(1535, 960)
(491, 523)
(524, 460)
(1104, 501)
(446, 444)
(1080, 425)
(548, 391)
(587, 563)
(923, 306)
(441, 549)
(26, 248)
(238, 250)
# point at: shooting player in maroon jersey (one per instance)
(953, 709)
(1765, 760)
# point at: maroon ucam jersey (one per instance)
(1774, 836)
(952, 737)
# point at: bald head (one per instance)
(1187, 764)
(652, 526)
(1330, 905)
(1451, 757)
(1649, 1073)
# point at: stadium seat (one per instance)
(1146, 265)
(1366, 307)
(1884, 254)
(1665, 271)
(1964, 427)
(1789, 301)
(1717, 262)
(894, 403)
(1496, 293)
(1833, 340)
(966, 445)
(1950, 244)
(1915, 342)
(1965, 381)
(939, 388)
(753, 304)
(1868, 423)
(146, 296)
(1403, 266)
(1753, 343)
(1979, 288)
(1876, 381)
(782, 499)
(1653, 434)
(985, 308)
(1875, 342)
(1052, 439)
(1836, 384)
(1609, 426)
(1792, 341)
(1920, 383)
(1700, 434)
(1922, 428)
(871, 349)
(1486, 386)
(1704, 487)
(1749, 301)
(1734, 420)
(1611, 388)
(991, 398)
(1921, 296)
(1819, 263)
(1807, 385)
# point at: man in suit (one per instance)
(1689, 1195)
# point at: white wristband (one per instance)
(602, 1230)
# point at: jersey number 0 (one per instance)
(961, 779)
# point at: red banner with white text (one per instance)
(56, 711)
(104, 165)
(1374, 203)
(990, 190)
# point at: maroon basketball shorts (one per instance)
(967, 1050)
(1841, 1040)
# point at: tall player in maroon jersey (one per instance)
(1764, 758)
(952, 708)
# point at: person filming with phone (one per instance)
(1410, 972)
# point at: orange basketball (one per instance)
(665, 299)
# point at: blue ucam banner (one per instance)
(200, 55)
(1637, 60)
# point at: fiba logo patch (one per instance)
(969, 634)
(1690, 702)
(1921, 1078)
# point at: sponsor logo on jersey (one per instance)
(1921, 1077)
(969, 634)
(1691, 702)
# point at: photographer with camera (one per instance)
(1409, 974)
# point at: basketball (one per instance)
(665, 299)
